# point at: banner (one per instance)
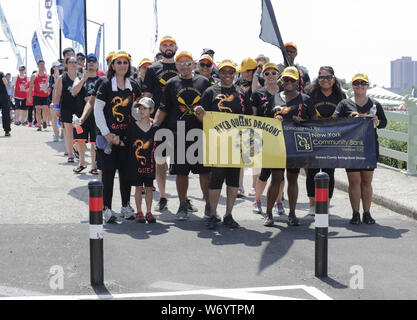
(232, 140)
(269, 29)
(155, 9)
(72, 18)
(98, 43)
(36, 49)
(48, 28)
(9, 36)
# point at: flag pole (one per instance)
(85, 27)
(60, 43)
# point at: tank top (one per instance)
(19, 91)
(68, 101)
(41, 86)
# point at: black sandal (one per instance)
(79, 169)
(94, 171)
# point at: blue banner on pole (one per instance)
(36, 49)
(98, 43)
(72, 18)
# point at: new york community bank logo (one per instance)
(303, 142)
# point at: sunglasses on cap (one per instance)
(288, 79)
(187, 63)
(360, 83)
(328, 77)
(274, 73)
(207, 65)
(230, 72)
(120, 62)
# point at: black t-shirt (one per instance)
(181, 96)
(68, 101)
(230, 100)
(4, 97)
(87, 90)
(295, 107)
(245, 84)
(157, 76)
(321, 106)
(263, 101)
(97, 85)
(142, 145)
(118, 107)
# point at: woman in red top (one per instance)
(19, 88)
(39, 89)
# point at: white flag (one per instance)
(48, 28)
(9, 36)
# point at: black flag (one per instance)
(269, 29)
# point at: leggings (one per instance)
(310, 184)
(30, 113)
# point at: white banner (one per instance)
(9, 36)
(48, 28)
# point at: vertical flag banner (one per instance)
(71, 15)
(37, 53)
(269, 29)
(155, 9)
(98, 43)
(9, 36)
(76, 46)
(48, 28)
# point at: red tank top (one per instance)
(41, 86)
(19, 91)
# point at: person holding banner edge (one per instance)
(360, 180)
(325, 95)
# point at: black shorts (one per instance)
(20, 104)
(40, 101)
(88, 134)
(143, 181)
(266, 173)
(358, 170)
(66, 115)
(219, 175)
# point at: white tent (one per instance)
(386, 97)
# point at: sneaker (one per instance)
(212, 223)
(367, 219)
(269, 220)
(257, 207)
(190, 207)
(312, 211)
(139, 218)
(182, 213)
(127, 212)
(228, 221)
(17, 123)
(56, 139)
(252, 192)
(150, 218)
(109, 216)
(240, 193)
(293, 220)
(44, 125)
(39, 128)
(61, 136)
(25, 123)
(162, 205)
(30, 124)
(356, 218)
(36, 125)
(280, 208)
(7, 133)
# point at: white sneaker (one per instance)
(109, 216)
(127, 212)
(312, 211)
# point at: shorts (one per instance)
(266, 173)
(20, 104)
(40, 101)
(358, 170)
(66, 115)
(219, 175)
(89, 131)
(143, 181)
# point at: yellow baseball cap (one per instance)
(110, 55)
(167, 38)
(121, 54)
(290, 44)
(291, 72)
(226, 63)
(184, 54)
(247, 64)
(145, 61)
(206, 57)
(269, 65)
(360, 76)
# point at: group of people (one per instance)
(123, 113)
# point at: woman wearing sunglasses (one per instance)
(325, 95)
(360, 180)
(113, 114)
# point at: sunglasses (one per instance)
(72, 62)
(274, 73)
(124, 62)
(207, 65)
(328, 77)
(188, 64)
(21, 69)
(360, 83)
(230, 72)
(289, 80)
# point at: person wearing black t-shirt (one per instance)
(182, 96)
(325, 95)
(153, 86)
(143, 66)
(288, 105)
(4, 104)
(205, 68)
(360, 180)
(113, 115)
(230, 98)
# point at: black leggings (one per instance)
(310, 184)
(117, 160)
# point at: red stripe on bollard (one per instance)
(96, 204)
(322, 195)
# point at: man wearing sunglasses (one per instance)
(157, 75)
(182, 96)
